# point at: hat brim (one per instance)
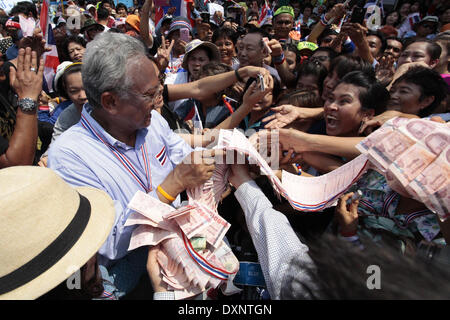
(211, 46)
(95, 234)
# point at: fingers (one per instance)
(34, 60)
(163, 42)
(171, 45)
(27, 60)
(20, 60)
(342, 204)
(12, 76)
(41, 68)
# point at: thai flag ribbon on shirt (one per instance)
(123, 159)
(161, 156)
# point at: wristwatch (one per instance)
(27, 104)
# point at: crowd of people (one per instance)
(132, 105)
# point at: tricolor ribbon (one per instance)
(123, 159)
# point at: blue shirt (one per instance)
(81, 159)
(52, 117)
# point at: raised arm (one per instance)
(27, 84)
(145, 29)
(204, 87)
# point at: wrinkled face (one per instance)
(405, 97)
(393, 48)
(374, 45)
(197, 59)
(415, 52)
(342, 111)
(76, 51)
(308, 82)
(251, 50)
(226, 49)
(75, 89)
(282, 25)
(204, 32)
(135, 112)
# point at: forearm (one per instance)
(203, 88)
(364, 51)
(145, 29)
(22, 145)
(171, 186)
(337, 146)
(235, 118)
(322, 162)
(275, 241)
(316, 32)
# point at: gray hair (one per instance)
(105, 65)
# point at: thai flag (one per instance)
(195, 117)
(159, 14)
(51, 60)
(413, 19)
(162, 156)
(266, 14)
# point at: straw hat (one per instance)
(48, 231)
(197, 43)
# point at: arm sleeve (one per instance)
(275, 241)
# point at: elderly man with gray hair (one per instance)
(114, 148)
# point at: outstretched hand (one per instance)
(27, 80)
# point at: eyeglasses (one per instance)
(320, 58)
(151, 98)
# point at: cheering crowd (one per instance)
(121, 99)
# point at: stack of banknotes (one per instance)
(414, 156)
(192, 253)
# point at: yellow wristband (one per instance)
(165, 194)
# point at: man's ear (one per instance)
(426, 102)
(109, 101)
(434, 63)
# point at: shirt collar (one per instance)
(140, 136)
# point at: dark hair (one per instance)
(307, 5)
(70, 39)
(312, 68)
(62, 85)
(380, 36)
(293, 48)
(121, 5)
(110, 2)
(102, 13)
(24, 7)
(374, 96)
(433, 49)
(430, 83)
(343, 65)
(331, 52)
(304, 98)
(388, 14)
(341, 271)
(261, 32)
(224, 33)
